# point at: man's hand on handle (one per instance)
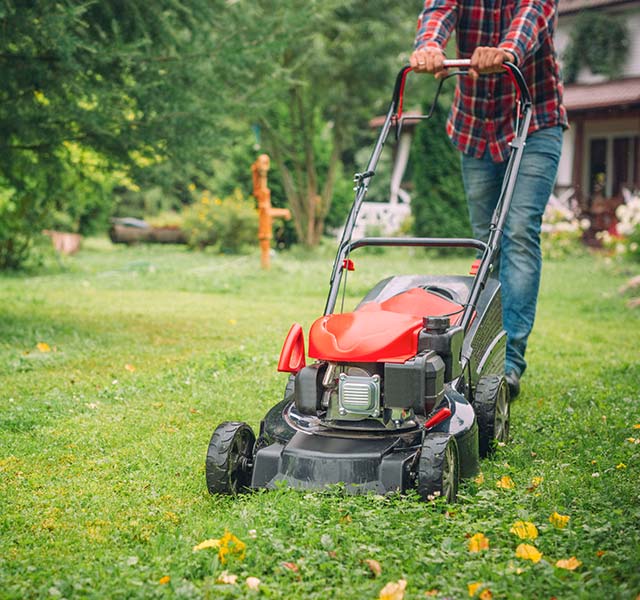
(484, 59)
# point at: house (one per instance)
(601, 150)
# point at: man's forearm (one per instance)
(435, 23)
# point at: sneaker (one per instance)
(513, 381)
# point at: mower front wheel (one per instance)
(229, 463)
(439, 467)
(492, 408)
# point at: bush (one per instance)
(562, 232)
(228, 223)
(438, 203)
(627, 241)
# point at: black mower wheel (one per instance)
(439, 467)
(229, 458)
(492, 408)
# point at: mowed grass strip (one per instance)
(103, 436)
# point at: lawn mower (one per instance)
(405, 392)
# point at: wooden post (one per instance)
(266, 213)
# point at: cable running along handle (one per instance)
(463, 65)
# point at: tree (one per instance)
(438, 202)
(340, 71)
(99, 93)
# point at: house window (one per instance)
(613, 164)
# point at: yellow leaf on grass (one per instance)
(559, 521)
(230, 545)
(636, 426)
(478, 542)
(430, 593)
(207, 544)
(253, 583)
(528, 552)
(621, 466)
(394, 590)
(226, 578)
(505, 482)
(479, 480)
(486, 594)
(535, 482)
(571, 564)
(525, 530)
(474, 587)
(374, 566)
(129, 368)
(43, 347)
(164, 580)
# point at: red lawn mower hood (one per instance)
(378, 331)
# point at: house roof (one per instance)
(622, 92)
(571, 6)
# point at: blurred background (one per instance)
(143, 119)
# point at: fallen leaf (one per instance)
(525, 530)
(164, 580)
(227, 578)
(486, 594)
(474, 587)
(43, 347)
(600, 553)
(636, 426)
(129, 368)
(291, 566)
(207, 544)
(570, 564)
(230, 545)
(346, 519)
(394, 590)
(621, 466)
(253, 583)
(505, 482)
(479, 480)
(433, 592)
(528, 552)
(633, 440)
(478, 542)
(194, 411)
(535, 482)
(374, 566)
(559, 521)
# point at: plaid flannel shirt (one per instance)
(483, 110)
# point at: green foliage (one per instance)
(599, 41)
(341, 64)
(229, 223)
(98, 95)
(438, 201)
(102, 468)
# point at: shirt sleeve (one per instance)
(435, 24)
(530, 19)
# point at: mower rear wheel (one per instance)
(492, 408)
(439, 467)
(229, 463)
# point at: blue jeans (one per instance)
(520, 257)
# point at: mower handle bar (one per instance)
(463, 65)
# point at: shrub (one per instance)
(228, 223)
(562, 232)
(438, 202)
(627, 241)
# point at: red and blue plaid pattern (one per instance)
(483, 110)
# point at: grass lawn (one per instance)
(103, 437)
